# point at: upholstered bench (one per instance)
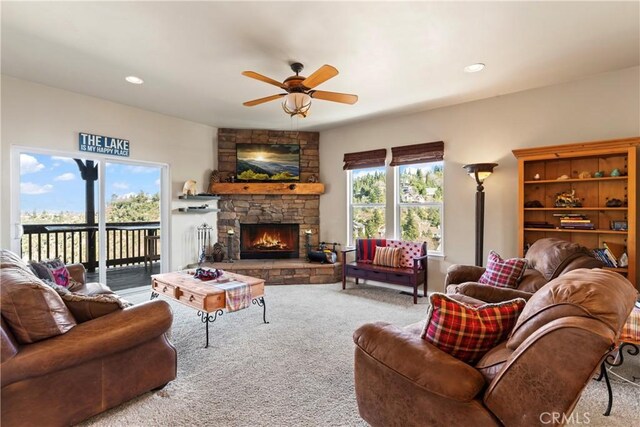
(411, 271)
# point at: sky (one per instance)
(53, 183)
(282, 153)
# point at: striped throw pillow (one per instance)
(466, 332)
(387, 256)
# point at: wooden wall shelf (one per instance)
(268, 188)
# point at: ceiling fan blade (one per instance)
(321, 75)
(262, 100)
(345, 98)
(262, 78)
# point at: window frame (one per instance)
(351, 205)
(398, 205)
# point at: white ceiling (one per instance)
(397, 57)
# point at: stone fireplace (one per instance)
(300, 209)
(269, 241)
(272, 221)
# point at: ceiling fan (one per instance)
(299, 90)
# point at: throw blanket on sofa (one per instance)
(238, 295)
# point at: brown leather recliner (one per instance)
(559, 341)
(547, 259)
(95, 365)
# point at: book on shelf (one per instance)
(616, 249)
(600, 255)
(610, 257)
(575, 221)
(538, 224)
(578, 227)
(573, 215)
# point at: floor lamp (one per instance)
(479, 172)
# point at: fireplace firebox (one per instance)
(261, 241)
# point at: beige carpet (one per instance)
(297, 370)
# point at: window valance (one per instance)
(365, 159)
(417, 153)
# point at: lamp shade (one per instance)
(296, 104)
(480, 171)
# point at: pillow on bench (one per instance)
(387, 256)
(410, 250)
(366, 249)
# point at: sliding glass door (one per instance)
(101, 213)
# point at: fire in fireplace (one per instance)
(259, 241)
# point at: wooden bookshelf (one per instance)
(551, 162)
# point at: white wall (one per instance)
(604, 106)
(39, 116)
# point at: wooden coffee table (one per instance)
(205, 296)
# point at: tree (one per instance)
(141, 207)
(374, 224)
(410, 227)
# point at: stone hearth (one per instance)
(283, 272)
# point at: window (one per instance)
(419, 203)
(367, 203)
(415, 207)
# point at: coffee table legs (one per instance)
(207, 318)
(615, 360)
(260, 302)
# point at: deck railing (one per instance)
(71, 242)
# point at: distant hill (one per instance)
(268, 168)
(244, 165)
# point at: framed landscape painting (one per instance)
(268, 162)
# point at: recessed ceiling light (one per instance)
(134, 80)
(474, 68)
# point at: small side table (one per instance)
(630, 342)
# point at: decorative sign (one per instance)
(103, 144)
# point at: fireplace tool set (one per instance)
(206, 250)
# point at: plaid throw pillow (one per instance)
(387, 256)
(467, 332)
(503, 273)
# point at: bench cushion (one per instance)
(374, 267)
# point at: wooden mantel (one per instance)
(267, 188)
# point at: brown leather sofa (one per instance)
(93, 366)
(558, 343)
(547, 259)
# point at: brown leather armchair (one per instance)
(547, 259)
(96, 365)
(558, 343)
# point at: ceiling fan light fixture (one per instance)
(296, 104)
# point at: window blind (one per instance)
(417, 153)
(365, 159)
